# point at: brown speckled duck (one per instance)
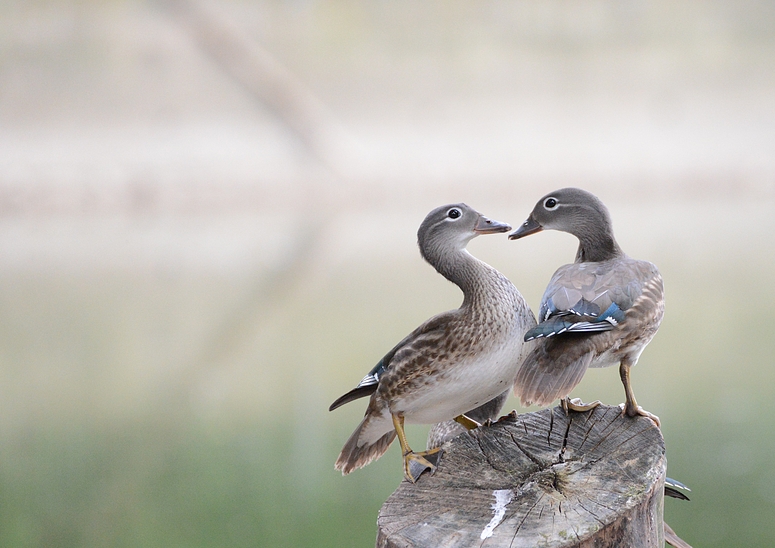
(452, 363)
(599, 311)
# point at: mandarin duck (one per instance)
(455, 361)
(601, 310)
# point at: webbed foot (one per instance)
(577, 405)
(467, 422)
(417, 463)
(510, 416)
(633, 410)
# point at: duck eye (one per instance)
(454, 213)
(550, 203)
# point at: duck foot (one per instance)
(510, 416)
(414, 463)
(630, 407)
(467, 422)
(417, 463)
(577, 405)
(635, 410)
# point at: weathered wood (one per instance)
(538, 479)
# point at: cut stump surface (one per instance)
(539, 479)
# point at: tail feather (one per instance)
(356, 455)
(549, 373)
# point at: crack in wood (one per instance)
(538, 462)
(589, 430)
(604, 437)
(606, 415)
(519, 525)
(612, 416)
(561, 456)
(551, 429)
(575, 530)
(555, 482)
(564, 491)
(619, 448)
(590, 512)
(593, 501)
(485, 455)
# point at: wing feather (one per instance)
(425, 334)
(574, 334)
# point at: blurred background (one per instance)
(208, 217)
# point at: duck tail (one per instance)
(366, 444)
(544, 377)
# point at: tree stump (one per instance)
(539, 479)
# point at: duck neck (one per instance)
(597, 245)
(464, 270)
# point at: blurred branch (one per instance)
(264, 77)
(267, 80)
(265, 301)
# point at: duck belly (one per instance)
(461, 388)
(607, 359)
(614, 356)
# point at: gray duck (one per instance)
(601, 310)
(454, 362)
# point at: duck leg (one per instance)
(414, 463)
(467, 422)
(631, 407)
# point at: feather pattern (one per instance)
(631, 292)
(356, 454)
(601, 310)
(369, 383)
(454, 362)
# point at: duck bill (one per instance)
(531, 226)
(488, 226)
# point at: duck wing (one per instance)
(426, 334)
(587, 310)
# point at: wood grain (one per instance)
(585, 479)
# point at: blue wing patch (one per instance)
(613, 314)
(583, 317)
(585, 308)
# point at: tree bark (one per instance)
(540, 479)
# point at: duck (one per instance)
(454, 362)
(601, 310)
